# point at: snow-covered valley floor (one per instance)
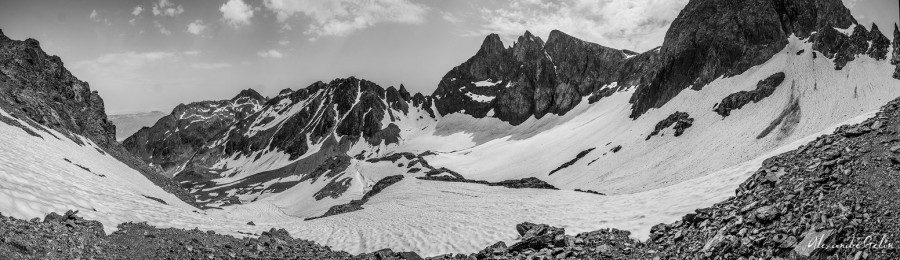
(424, 216)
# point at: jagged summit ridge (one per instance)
(530, 78)
(175, 137)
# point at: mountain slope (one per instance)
(39, 94)
(174, 138)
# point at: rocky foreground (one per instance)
(833, 198)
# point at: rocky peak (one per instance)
(531, 78)
(36, 86)
(491, 45)
(249, 93)
(528, 48)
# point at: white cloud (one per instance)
(167, 8)
(236, 13)
(451, 18)
(162, 29)
(343, 17)
(270, 54)
(632, 24)
(283, 42)
(196, 28)
(210, 66)
(137, 10)
(125, 66)
(191, 53)
(94, 16)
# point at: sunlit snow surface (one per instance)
(649, 181)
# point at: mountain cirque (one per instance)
(837, 191)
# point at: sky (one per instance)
(154, 54)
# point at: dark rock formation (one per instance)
(571, 162)
(37, 88)
(895, 58)
(525, 183)
(355, 205)
(680, 120)
(843, 48)
(737, 100)
(76, 238)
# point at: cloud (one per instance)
(284, 42)
(210, 66)
(236, 13)
(167, 8)
(633, 24)
(343, 17)
(122, 67)
(270, 54)
(162, 29)
(191, 53)
(451, 18)
(196, 28)
(137, 10)
(94, 16)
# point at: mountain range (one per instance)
(731, 131)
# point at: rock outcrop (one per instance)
(679, 121)
(737, 100)
(895, 58)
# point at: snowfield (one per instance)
(647, 181)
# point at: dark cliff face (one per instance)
(895, 58)
(717, 38)
(176, 137)
(36, 86)
(531, 78)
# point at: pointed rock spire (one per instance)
(491, 45)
